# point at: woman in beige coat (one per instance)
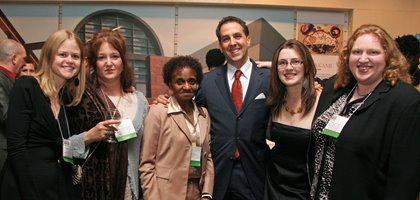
(176, 162)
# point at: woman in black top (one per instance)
(39, 150)
(292, 99)
(367, 133)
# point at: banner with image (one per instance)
(324, 39)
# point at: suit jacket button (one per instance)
(230, 157)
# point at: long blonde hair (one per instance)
(75, 86)
(396, 67)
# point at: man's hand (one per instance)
(266, 64)
(162, 99)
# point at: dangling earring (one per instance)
(76, 81)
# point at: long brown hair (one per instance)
(277, 89)
(117, 41)
(396, 67)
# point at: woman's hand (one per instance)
(318, 87)
(99, 132)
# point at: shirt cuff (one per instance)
(80, 150)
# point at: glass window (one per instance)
(140, 38)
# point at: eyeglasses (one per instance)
(293, 63)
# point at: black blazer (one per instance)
(229, 129)
(34, 168)
(378, 151)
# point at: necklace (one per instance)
(111, 113)
(292, 111)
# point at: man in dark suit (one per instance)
(12, 56)
(238, 142)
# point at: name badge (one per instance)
(335, 126)
(195, 157)
(67, 151)
(125, 131)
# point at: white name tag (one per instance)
(125, 131)
(67, 151)
(195, 157)
(335, 126)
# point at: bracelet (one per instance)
(206, 195)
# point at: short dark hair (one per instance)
(231, 19)
(215, 58)
(180, 62)
(409, 46)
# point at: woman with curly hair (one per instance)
(367, 141)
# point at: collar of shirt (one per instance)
(8, 72)
(246, 71)
(245, 77)
(174, 107)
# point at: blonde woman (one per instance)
(40, 152)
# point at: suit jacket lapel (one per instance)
(180, 121)
(253, 86)
(202, 124)
(223, 86)
(376, 95)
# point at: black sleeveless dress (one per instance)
(287, 170)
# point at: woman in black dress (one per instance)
(292, 100)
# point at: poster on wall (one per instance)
(324, 41)
(324, 33)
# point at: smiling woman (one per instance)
(292, 99)
(177, 134)
(366, 136)
(40, 151)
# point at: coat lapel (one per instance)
(179, 119)
(253, 87)
(202, 125)
(223, 87)
(376, 95)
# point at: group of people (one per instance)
(61, 118)
(357, 138)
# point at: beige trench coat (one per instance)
(166, 154)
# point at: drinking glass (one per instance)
(113, 113)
